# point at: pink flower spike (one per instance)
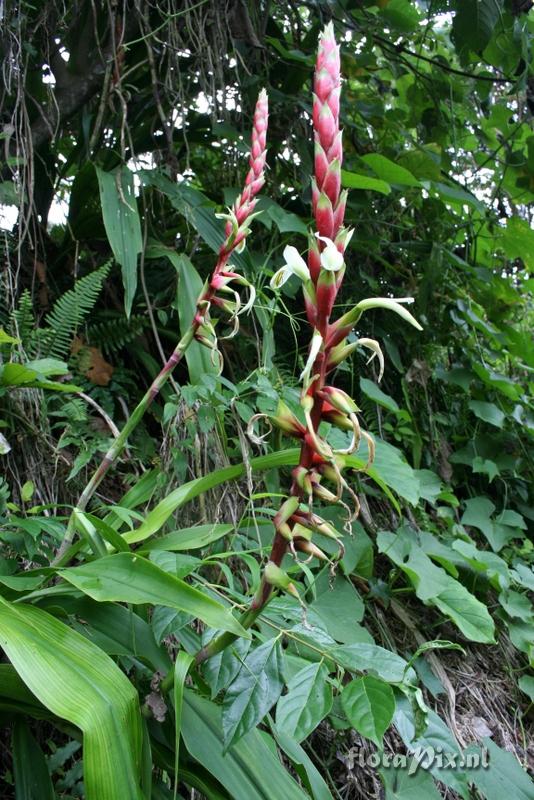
(328, 148)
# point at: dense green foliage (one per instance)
(124, 129)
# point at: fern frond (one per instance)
(113, 334)
(22, 323)
(69, 312)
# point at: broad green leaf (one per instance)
(12, 374)
(369, 704)
(362, 657)
(254, 691)
(512, 519)
(122, 224)
(522, 636)
(177, 564)
(249, 769)
(389, 171)
(21, 582)
(433, 585)
(427, 578)
(390, 466)
(115, 629)
(170, 622)
(351, 180)
(403, 784)
(436, 738)
(457, 197)
(518, 240)
(524, 575)
(190, 538)
(478, 511)
(469, 614)
(78, 682)
(130, 578)
(375, 393)
(402, 15)
(430, 485)
(517, 605)
(526, 684)
(484, 561)
(181, 668)
(285, 221)
(423, 162)
(503, 778)
(307, 702)
(48, 366)
(27, 490)
(220, 670)
(473, 25)
(340, 607)
(484, 466)
(30, 770)
(487, 412)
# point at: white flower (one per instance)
(316, 344)
(331, 258)
(295, 265)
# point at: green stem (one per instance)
(225, 639)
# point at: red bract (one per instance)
(328, 148)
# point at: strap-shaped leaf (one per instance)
(78, 682)
(181, 668)
(129, 578)
(188, 491)
(122, 224)
(32, 779)
(249, 770)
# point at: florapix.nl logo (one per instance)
(420, 758)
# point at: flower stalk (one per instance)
(237, 228)
(322, 276)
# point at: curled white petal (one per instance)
(251, 298)
(328, 242)
(295, 263)
(316, 344)
(373, 345)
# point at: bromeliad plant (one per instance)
(319, 473)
